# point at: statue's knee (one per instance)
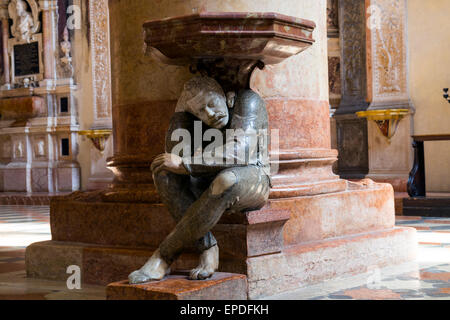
(161, 178)
(223, 182)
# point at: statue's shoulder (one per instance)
(250, 100)
(249, 94)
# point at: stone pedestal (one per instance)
(351, 131)
(316, 226)
(221, 286)
(289, 244)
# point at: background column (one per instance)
(4, 16)
(389, 160)
(49, 38)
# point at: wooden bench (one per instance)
(418, 204)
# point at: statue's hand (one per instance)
(169, 162)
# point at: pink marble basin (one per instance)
(267, 37)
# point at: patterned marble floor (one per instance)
(19, 227)
(426, 278)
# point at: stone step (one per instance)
(427, 206)
(29, 199)
(221, 286)
(99, 265)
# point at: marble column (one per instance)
(49, 38)
(374, 64)
(4, 16)
(387, 85)
(351, 132)
(100, 176)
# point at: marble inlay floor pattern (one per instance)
(426, 278)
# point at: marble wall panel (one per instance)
(353, 147)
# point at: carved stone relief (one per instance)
(66, 59)
(388, 48)
(25, 44)
(334, 74)
(332, 18)
(25, 23)
(353, 54)
(39, 147)
(19, 149)
(98, 11)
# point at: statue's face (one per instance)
(20, 8)
(212, 110)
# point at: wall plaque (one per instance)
(26, 59)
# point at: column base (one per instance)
(305, 264)
(288, 244)
(397, 180)
(295, 267)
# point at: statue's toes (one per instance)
(193, 275)
(204, 274)
(137, 277)
(200, 274)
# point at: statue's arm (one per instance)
(241, 149)
(234, 153)
(179, 133)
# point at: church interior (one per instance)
(358, 109)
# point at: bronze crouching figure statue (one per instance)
(199, 184)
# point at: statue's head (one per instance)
(21, 7)
(204, 98)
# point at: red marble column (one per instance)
(49, 29)
(5, 56)
(5, 36)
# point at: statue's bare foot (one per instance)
(155, 269)
(209, 263)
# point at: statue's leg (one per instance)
(178, 194)
(175, 192)
(237, 188)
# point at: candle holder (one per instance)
(387, 120)
(98, 137)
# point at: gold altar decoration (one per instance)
(98, 137)
(387, 120)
